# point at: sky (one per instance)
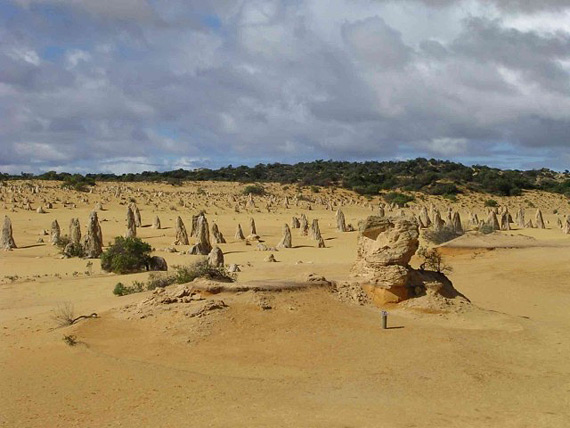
(133, 85)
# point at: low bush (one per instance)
(201, 269)
(491, 203)
(181, 275)
(486, 229)
(397, 198)
(254, 189)
(74, 250)
(126, 255)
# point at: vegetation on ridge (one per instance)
(430, 176)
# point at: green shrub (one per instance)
(126, 255)
(254, 189)
(315, 189)
(159, 280)
(491, 203)
(450, 197)
(120, 289)
(78, 183)
(75, 250)
(370, 190)
(201, 269)
(397, 198)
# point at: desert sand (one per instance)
(291, 358)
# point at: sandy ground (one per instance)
(309, 361)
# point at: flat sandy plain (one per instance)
(311, 360)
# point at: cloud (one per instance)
(103, 85)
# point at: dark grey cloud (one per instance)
(156, 85)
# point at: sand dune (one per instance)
(300, 357)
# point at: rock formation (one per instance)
(131, 225)
(203, 245)
(93, 245)
(7, 239)
(156, 223)
(520, 218)
(157, 263)
(492, 221)
(252, 228)
(315, 230)
(539, 221)
(423, 218)
(181, 234)
(137, 213)
(456, 223)
(504, 223)
(340, 221)
(295, 224)
(385, 248)
(216, 257)
(239, 233)
(217, 236)
(75, 231)
(304, 226)
(55, 232)
(437, 222)
(566, 225)
(286, 240)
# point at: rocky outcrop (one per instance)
(7, 239)
(93, 245)
(239, 233)
(216, 257)
(539, 221)
(181, 234)
(340, 221)
(203, 246)
(217, 236)
(252, 228)
(295, 223)
(55, 232)
(304, 225)
(385, 248)
(286, 240)
(75, 231)
(131, 224)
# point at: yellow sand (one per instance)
(310, 361)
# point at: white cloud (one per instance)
(245, 81)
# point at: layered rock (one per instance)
(385, 248)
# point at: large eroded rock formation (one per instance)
(385, 248)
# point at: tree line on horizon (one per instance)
(430, 176)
